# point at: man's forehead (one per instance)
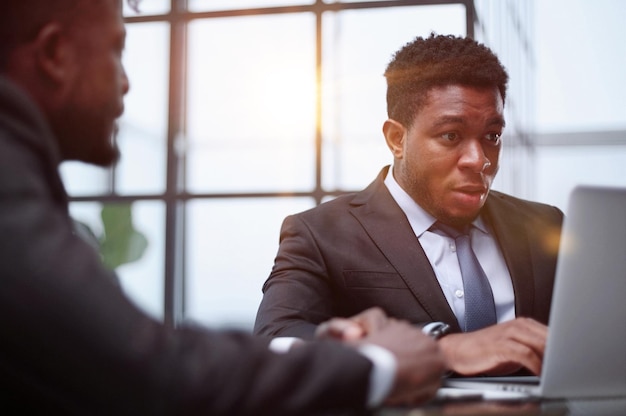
(438, 88)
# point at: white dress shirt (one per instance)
(441, 252)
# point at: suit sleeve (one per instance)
(298, 295)
(71, 340)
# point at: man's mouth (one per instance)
(472, 189)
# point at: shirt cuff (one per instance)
(283, 344)
(382, 376)
(384, 367)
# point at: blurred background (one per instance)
(244, 111)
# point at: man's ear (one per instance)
(395, 134)
(53, 53)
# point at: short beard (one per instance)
(424, 199)
(86, 131)
(109, 155)
(75, 144)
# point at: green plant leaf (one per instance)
(121, 243)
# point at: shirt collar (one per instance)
(419, 219)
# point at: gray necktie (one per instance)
(480, 310)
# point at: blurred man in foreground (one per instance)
(71, 341)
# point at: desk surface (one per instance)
(595, 407)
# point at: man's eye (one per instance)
(493, 137)
(449, 136)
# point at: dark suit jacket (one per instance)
(72, 343)
(359, 251)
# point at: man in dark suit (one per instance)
(387, 245)
(72, 343)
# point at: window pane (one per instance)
(143, 127)
(348, 1)
(231, 245)
(560, 168)
(141, 279)
(251, 112)
(148, 7)
(212, 5)
(354, 106)
(81, 179)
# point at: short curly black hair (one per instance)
(436, 61)
(21, 20)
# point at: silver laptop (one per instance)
(585, 354)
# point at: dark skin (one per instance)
(419, 378)
(75, 75)
(448, 158)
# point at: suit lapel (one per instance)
(389, 229)
(387, 226)
(513, 240)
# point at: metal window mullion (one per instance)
(471, 18)
(175, 206)
(319, 191)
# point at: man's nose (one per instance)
(473, 156)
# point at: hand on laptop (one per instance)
(497, 350)
(420, 363)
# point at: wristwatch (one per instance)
(436, 330)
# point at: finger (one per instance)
(371, 319)
(525, 356)
(533, 361)
(340, 329)
(531, 334)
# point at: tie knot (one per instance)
(451, 231)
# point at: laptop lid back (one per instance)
(586, 348)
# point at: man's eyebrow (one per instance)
(443, 120)
(496, 121)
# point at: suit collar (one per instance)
(420, 220)
(28, 128)
(389, 229)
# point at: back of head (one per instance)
(21, 20)
(65, 55)
(436, 61)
